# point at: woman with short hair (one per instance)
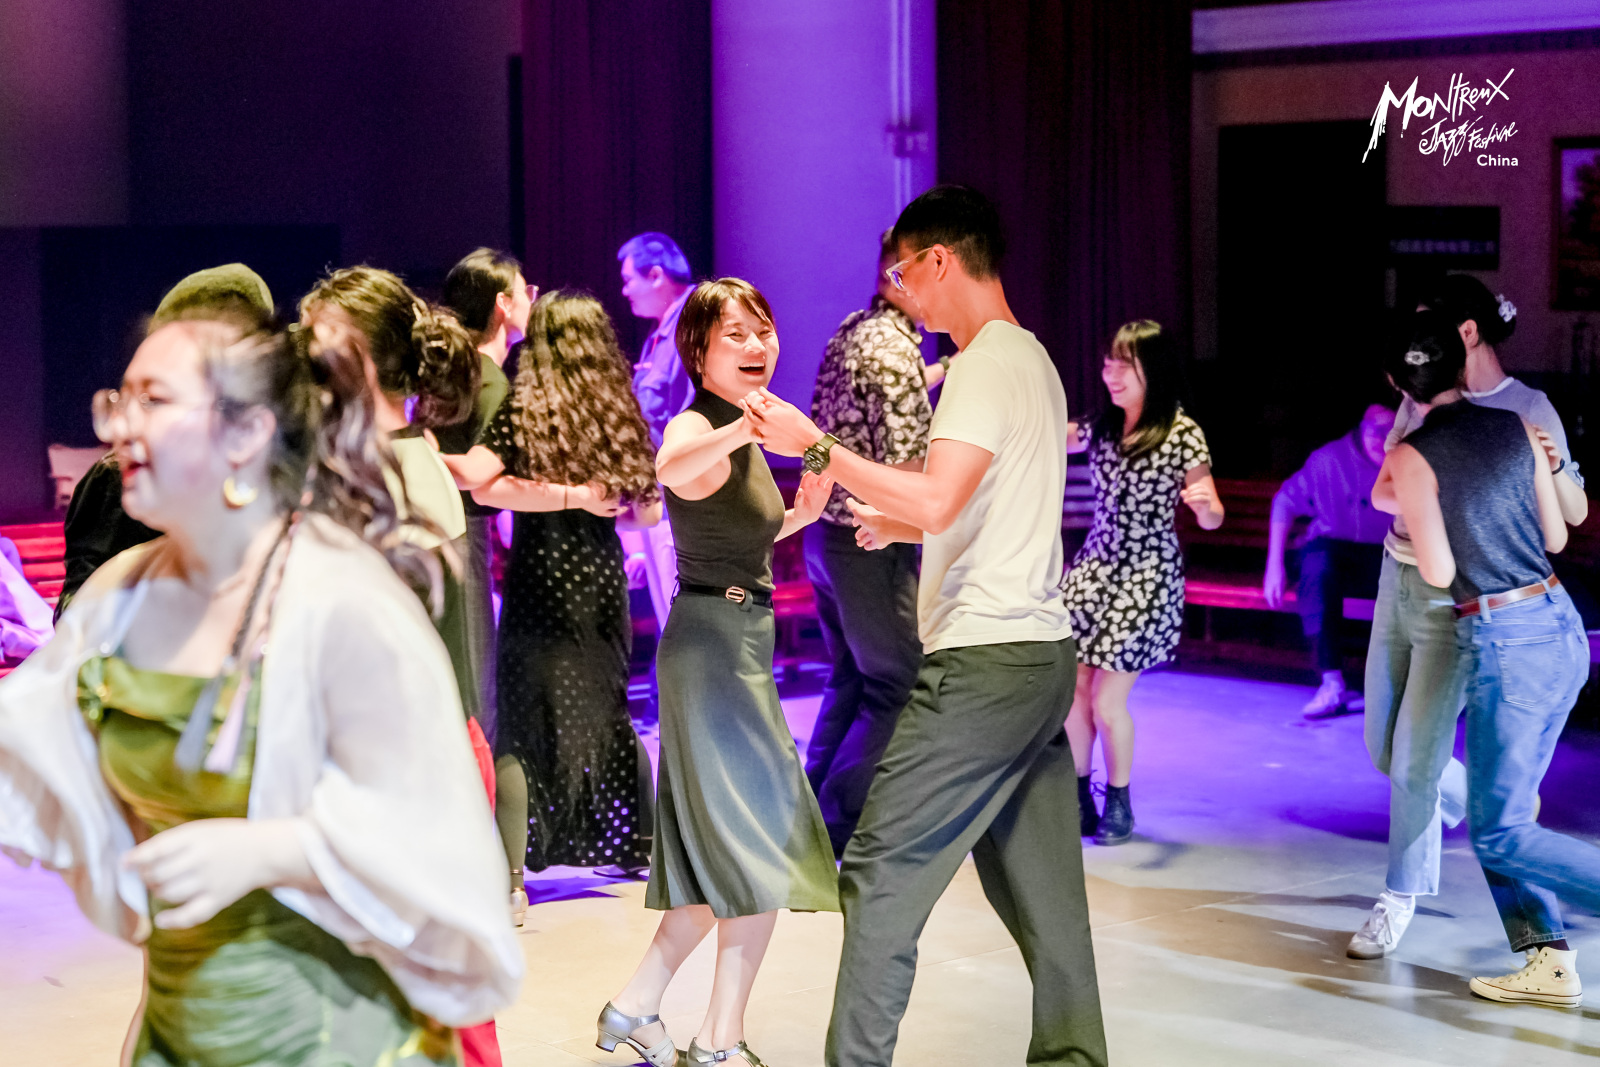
(738, 832)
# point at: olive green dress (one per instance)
(258, 984)
(737, 826)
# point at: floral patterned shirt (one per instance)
(871, 393)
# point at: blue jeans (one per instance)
(1416, 676)
(1527, 663)
(1330, 570)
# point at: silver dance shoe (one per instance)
(698, 1055)
(617, 1028)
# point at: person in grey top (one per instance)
(1415, 676)
(871, 394)
(1483, 511)
(1485, 320)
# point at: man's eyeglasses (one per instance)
(896, 273)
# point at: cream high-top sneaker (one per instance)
(1551, 977)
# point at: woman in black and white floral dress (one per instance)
(1125, 588)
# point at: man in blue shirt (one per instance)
(1343, 550)
(656, 281)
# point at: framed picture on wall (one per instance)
(1575, 242)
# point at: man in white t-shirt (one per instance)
(979, 761)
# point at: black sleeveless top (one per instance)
(1485, 468)
(726, 539)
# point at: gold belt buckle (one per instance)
(736, 594)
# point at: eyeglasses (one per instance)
(896, 273)
(111, 404)
(533, 292)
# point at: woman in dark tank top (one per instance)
(738, 832)
(1475, 489)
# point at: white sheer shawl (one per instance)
(361, 737)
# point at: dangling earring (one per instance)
(235, 495)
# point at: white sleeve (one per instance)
(974, 407)
(54, 803)
(399, 829)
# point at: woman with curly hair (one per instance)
(415, 356)
(571, 455)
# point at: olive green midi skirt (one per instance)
(737, 826)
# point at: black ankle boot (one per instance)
(1116, 822)
(1088, 817)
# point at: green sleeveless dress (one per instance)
(258, 984)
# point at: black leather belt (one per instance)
(735, 593)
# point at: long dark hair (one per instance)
(575, 418)
(1144, 344)
(418, 349)
(325, 453)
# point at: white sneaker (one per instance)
(1551, 977)
(1330, 699)
(1385, 925)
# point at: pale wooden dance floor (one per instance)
(1219, 931)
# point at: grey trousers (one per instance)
(979, 763)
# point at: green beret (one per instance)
(215, 285)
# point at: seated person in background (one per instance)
(24, 617)
(1343, 551)
(96, 526)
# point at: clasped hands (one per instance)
(785, 430)
(777, 425)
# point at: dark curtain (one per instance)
(1074, 117)
(617, 122)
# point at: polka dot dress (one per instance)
(1124, 591)
(562, 678)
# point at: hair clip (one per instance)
(1416, 357)
(1508, 310)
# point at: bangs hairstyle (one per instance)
(574, 416)
(1430, 357)
(472, 285)
(1148, 347)
(702, 313)
(960, 218)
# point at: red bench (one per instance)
(1241, 541)
(43, 548)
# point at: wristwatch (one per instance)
(815, 458)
